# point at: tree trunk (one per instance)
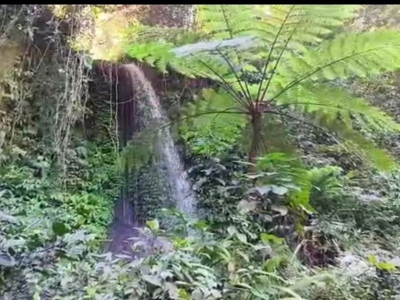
(256, 139)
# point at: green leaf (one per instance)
(59, 228)
(266, 237)
(386, 266)
(372, 259)
(153, 225)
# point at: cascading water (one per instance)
(141, 110)
(170, 168)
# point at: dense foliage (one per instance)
(296, 182)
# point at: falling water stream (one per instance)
(150, 110)
(170, 169)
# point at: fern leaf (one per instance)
(355, 142)
(347, 55)
(331, 100)
(224, 21)
(214, 118)
(150, 52)
(311, 21)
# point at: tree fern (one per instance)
(297, 54)
(221, 22)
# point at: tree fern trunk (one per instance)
(256, 138)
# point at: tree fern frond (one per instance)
(332, 101)
(211, 19)
(357, 143)
(347, 55)
(282, 28)
(317, 19)
(201, 119)
(240, 24)
(212, 100)
(152, 53)
(162, 55)
(263, 21)
(351, 140)
(311, 23)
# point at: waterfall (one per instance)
(169, 165)
(139, 111)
